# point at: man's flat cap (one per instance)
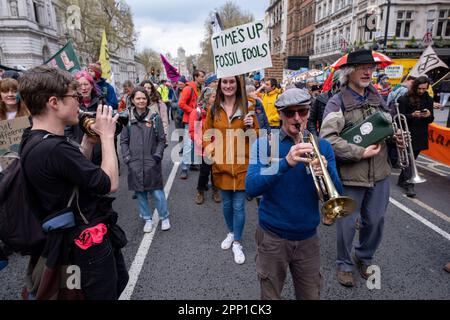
(293, 97)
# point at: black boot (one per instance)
(410, 191)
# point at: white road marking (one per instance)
(434, 170)
(420, 218)
(441, 215)
(139, 259)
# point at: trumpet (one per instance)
(406, 154)
(334, 206)
(87, 119)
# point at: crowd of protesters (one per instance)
(205, 109)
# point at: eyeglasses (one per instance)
(291, 113)
(77, 96)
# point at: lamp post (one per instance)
(387, 24)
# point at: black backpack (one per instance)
(20, 227)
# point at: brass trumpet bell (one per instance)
(338, 207)
(334, 205)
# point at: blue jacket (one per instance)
(108, 93)
(290, 204)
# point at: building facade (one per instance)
(29, 32)
(276, 22)
(332, 34)
(300, 33)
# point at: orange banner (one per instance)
(439, 143)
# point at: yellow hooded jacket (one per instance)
(268, 100)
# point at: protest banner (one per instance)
(241, 49)
(438, 143)
(66, 59)
(10, 137)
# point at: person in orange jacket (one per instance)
(228, 134)
(188, 102)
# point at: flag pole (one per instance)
(440, 80)
(244, 94)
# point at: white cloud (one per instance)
(166, 26)
(165, 38)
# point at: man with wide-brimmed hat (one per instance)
(289, 210)
(364, 171)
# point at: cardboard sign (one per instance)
(10, 137)
(241, 49)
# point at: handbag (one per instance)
(369, 131)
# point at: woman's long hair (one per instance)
(11, 84)
(414, 98)
(155, 97)
(220, 98)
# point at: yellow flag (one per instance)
(104, 58)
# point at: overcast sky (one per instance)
(166, 25)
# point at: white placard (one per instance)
(394, 71)
(241, 49)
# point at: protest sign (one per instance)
(10, 137)
(241, 49)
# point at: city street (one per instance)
(188, 263)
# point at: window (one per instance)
(45, 53)
(37, 7)
(443, 24)
(404, 23)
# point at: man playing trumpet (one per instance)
(289, 210)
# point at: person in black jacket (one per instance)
(417, 106)
(319, 104)
(444, 91)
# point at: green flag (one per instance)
(66, 59)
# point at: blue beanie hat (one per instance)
(210, 80)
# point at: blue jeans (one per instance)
(188, 150)
(160, 202)
(233, 203)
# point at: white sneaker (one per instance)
(148, 226)
(239, 256)
(226, 244)
(165, 224)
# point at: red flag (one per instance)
(328, 84)
(172, 72)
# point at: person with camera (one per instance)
(70, 193)
(143, 143)
(90, 99)
(364, 172)
(289, 210)
(417, 106)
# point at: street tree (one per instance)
(113, 16)
(231, 15)
(151, 61)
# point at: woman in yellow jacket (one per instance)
(228, 136)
